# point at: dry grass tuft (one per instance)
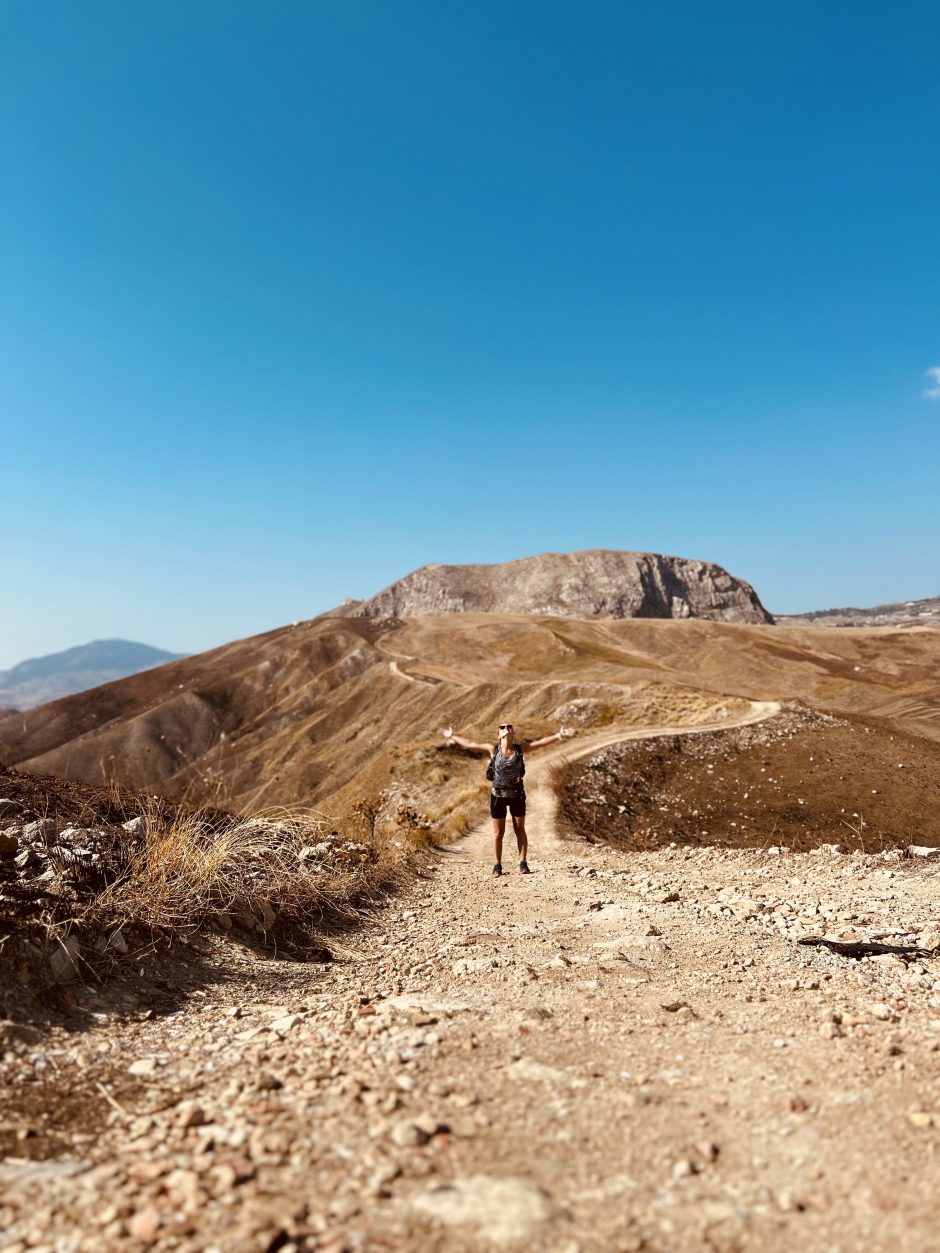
(282, 866)
(458, 823)
(461, 814)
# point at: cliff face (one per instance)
(599, 583)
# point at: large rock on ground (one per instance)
(599, 583)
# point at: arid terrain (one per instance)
(621, 1051)
(262, 992)
(334, 708)
(803, 780)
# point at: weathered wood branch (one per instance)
(869, 948)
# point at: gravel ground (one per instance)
(619, 1051)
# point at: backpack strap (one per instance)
(491, 768)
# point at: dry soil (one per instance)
(617, 1052)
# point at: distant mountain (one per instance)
(597, 583)
(41, 679)
(904, 613)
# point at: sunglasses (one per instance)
(505, 726)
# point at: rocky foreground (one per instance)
(617, 1052)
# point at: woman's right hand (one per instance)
(447, 732)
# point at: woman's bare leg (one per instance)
(499, 830)
(521, 838)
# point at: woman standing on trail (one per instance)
(506, 770)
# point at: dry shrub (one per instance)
(457, 824)
(414, 825)
(368, 810)
(463, 813)
(471, 795)
(645, 839)
(187, 870)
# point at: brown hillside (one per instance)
(798, 780)
(333, 706)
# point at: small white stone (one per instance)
(503, 1211)
(408, 1135)
(144, 1066)
(684, 1168)
(285, 1024)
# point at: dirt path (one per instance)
(613, 1053)
(409, 678)
(395, 668)
(544, 839)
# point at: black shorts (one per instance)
(498, 805)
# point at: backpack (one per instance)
(491, 768)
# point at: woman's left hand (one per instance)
(567, 732)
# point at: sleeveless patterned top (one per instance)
(507, 773)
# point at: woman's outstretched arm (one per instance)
(448, 734)
(564, 733)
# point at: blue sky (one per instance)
(296, 297)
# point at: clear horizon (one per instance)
(230, 639)
(297, 299)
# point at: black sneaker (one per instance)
(497, 869)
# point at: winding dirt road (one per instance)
(544, 839)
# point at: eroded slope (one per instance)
(334, 706)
